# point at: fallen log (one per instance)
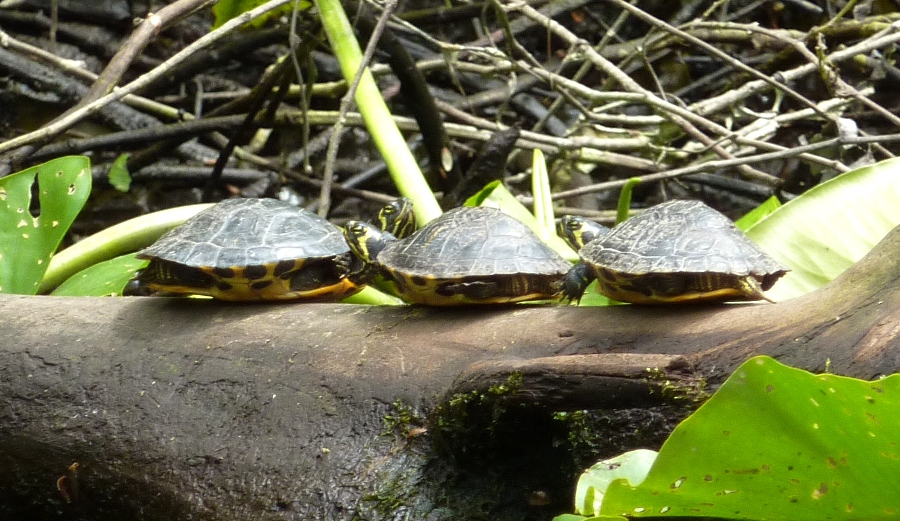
(154, 408)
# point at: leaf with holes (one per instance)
(29, 235)
(777, 443)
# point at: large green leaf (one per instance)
(28, 236)
(823, 232)
(778, 443)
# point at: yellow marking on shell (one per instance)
(634, 297)
(616, 288)
(426, 293)
(241, 287)
(275, 291)
(430, 298)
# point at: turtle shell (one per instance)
(473, 255)
(679, 251)
(251, 249)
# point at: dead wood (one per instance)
(277, 411)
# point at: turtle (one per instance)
(259, 249)
(578, 231)
(677, 251)
(468, 255)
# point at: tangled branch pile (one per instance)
(740, 100)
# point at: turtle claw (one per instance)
(752, 289)
(575, 283)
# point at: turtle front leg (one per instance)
(578, 278)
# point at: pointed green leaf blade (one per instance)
(103, 279)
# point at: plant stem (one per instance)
(387, 137)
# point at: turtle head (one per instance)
(365, 240)
(397, 218)
(578, 231)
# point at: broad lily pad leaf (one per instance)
(778, 443)
(103, 279)
(28, 237)
(827, 229)
(592, 484)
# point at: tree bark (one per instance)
(184, 407)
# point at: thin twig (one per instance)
(132, 48)
(652, 20)
(346, 103)
(684, 119)
(883, 38)
(65, 122)
(722, 164)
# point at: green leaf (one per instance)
(632, 466)
(118, 176)
(114, 241)
(758, 214)
(623, 207)
(593, 298)
(778, 443)
(545, 226)
(225, 10)
(373, 297)
(573, 517)
(103, 279)
(823, 232)
(28, 241)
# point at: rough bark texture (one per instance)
(176, 408)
